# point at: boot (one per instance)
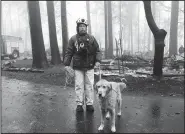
(79, 108)
(90, 108)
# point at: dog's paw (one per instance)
(113, 129)
(101, 127)
(119, 114)
(107, 116)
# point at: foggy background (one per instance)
(15, 22)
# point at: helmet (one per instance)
(81, 21)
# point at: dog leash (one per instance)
(99, 72)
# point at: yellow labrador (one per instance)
(109, 93)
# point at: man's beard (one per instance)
(82, 32)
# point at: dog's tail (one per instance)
(123, 80)
(122, 87)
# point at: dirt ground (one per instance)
(39, 103)
(55, 75)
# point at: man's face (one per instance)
(82, 28)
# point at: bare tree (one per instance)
(144, 37)
(64, 26)
(159, 35)
(1, 41)
(131, 36)
(110, 48)
(88, 16)
(120, 17)
(38, 49)
(173, 28)
(138, 37)
(10, 15)
(167, 8)
(55, 55)
(0, 16)
(155, 18)
(130, 11)
(117, 54)
(149, 38)
(106, 28)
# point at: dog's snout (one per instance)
(100, 93)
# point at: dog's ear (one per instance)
(109, 86)
(95, 88)
(122, 86)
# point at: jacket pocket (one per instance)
(91, 61)
(77, 62)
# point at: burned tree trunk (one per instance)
(131, 36)
(153, 8)
(88, 16)
(1, 39)
(159, 35)
(138, 36)
(110, 47)
(2, 44)
(174, 28)
(149, 39)
(0, 18)
(120, 22)
(64, 27)
(106, 30)
(55, 55)
(130, 28)
(37, 41)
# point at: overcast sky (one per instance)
(75, 10)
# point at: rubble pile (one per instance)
(136, 66)
(9, 66)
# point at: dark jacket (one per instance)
(84, 50)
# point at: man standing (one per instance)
(84, 50)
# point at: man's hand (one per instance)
(66, 67)
(69, 70)
(97, 64)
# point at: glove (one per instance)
(97, 64)
(69, 71)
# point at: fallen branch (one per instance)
(142, 59)
(173, 75)
(24, 70)
(145, 73)
(164, 75)
(110, 69)
(107, 65)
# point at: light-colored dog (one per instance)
(109, 93)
